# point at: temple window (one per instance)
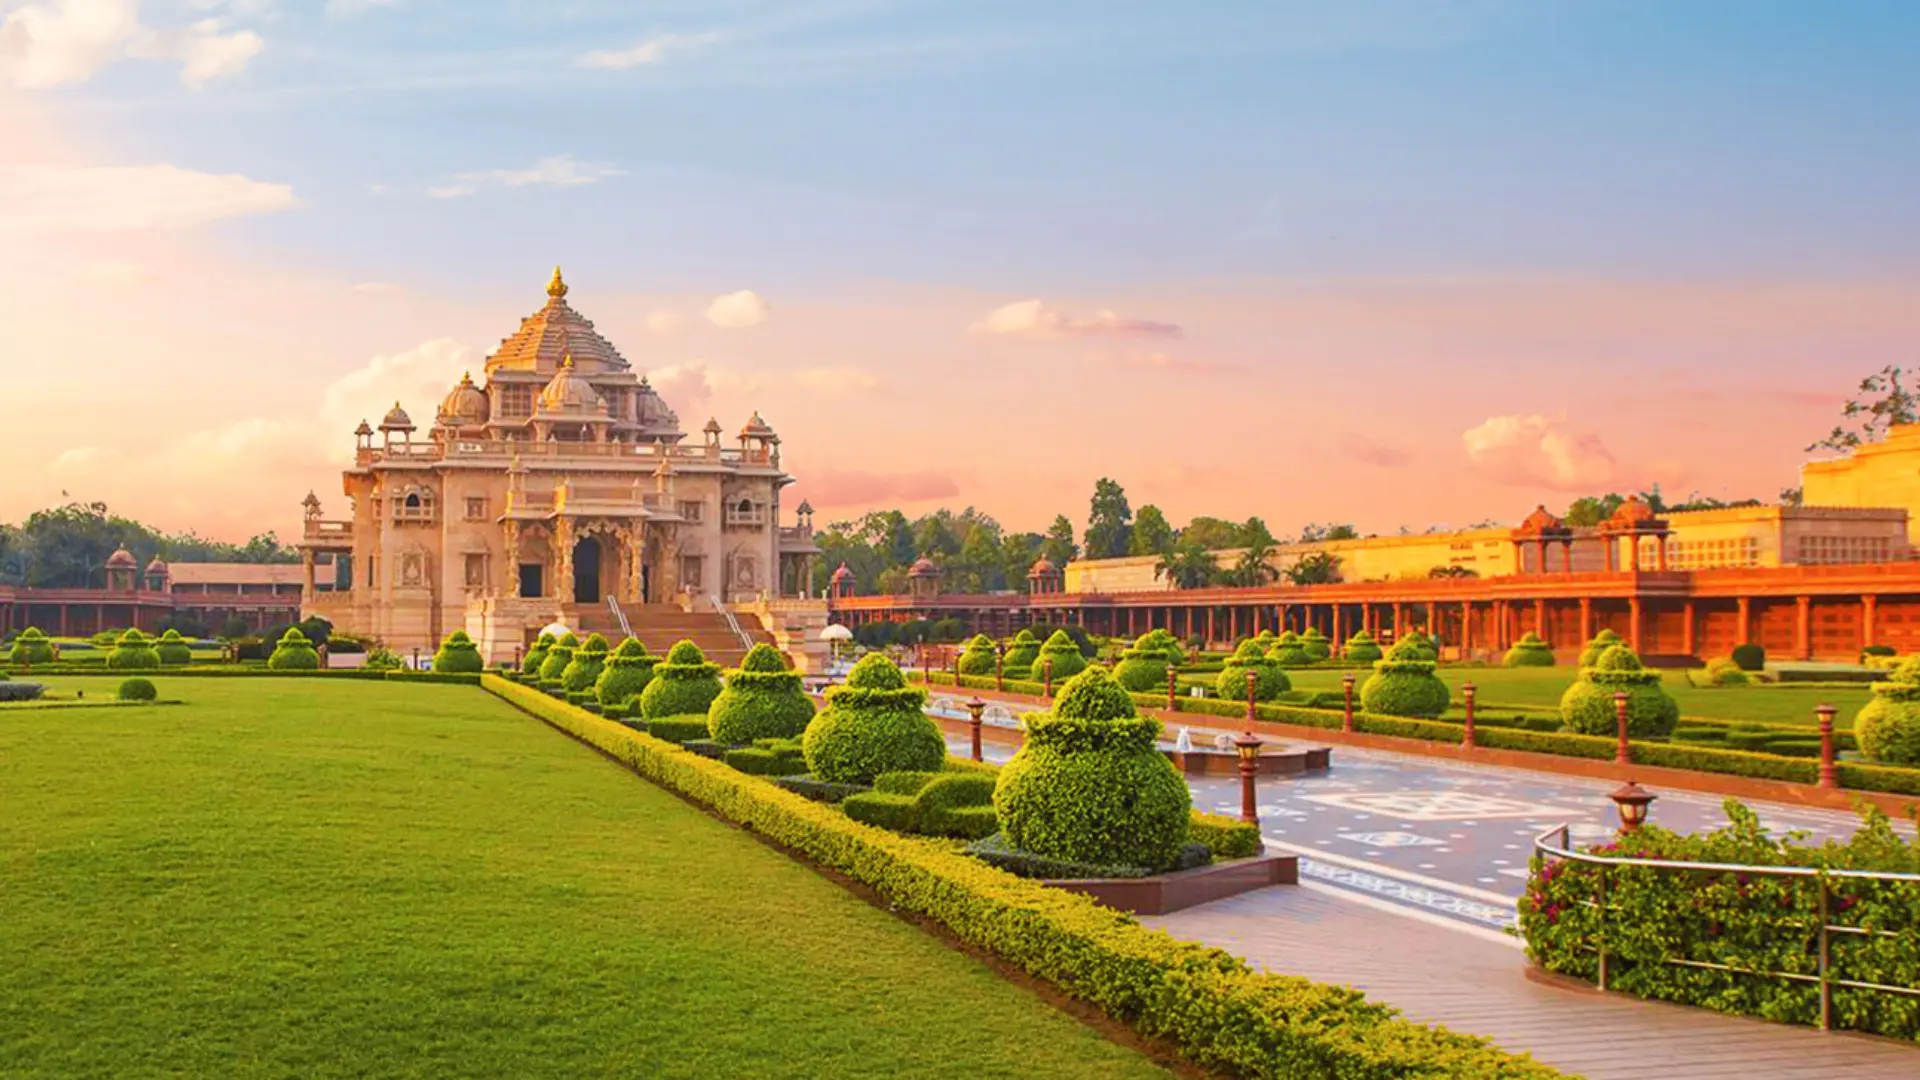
(476, 570)
(690, 566)
(476, 507)
(516, 401)
(693, 510)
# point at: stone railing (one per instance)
(507, 448)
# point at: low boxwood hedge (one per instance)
(1216, 1009)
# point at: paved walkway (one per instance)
(1469, 983)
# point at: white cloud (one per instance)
(663, 322)
(693, 384)
(558, 171)
(836, 380)
(375, 287)
(1534, 451)
(652, 51)
(417, 378)
(57, 42)
(122, 198)
(1034, 320)
(79, 457)
(346, 9)
(738, 310)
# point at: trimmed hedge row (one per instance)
(1216, 1009)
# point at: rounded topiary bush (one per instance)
(1022, 656)
(977, 657)
(173, 649)
(761, 700)
(683, 684)
(1287, 651)
(1143, 668)
(536, 656)
(1403, 684)
(1362, 648)
(583, 670)
(559, 655)
(134, 651)
(1089, 783)
(1415, 645)
(31, 647)
(458, 653)
(137, 689)
(1588, 708)
(1163, 642)
(626, 673)
(1602, 641)
(1066, 658)
(382, 659)
(1888, 726)
(874, 724)
(1530, 651)
(1316, 645)
(294, 653)
(1724, 672)
(1269, 681)
(1750, 657)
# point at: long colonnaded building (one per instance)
(1818, 581)
(561, 488)
(207, 595)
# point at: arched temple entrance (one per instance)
(586, 571)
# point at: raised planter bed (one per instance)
(1162, 894)
(1283, 761)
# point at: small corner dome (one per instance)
(713, 426)
(1540, 519)
(1041, 567)
(465, 404)
(157, 566)
(396, 419)
(805, 507)
(1632, 512)
(121, 559)
(923, 567)
(364, 429)
(756, 428)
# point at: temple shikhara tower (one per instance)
(561, 487)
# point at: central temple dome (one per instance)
(553, 332)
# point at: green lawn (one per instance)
(295, 878)
(1542, 687)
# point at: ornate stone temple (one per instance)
(560, 487)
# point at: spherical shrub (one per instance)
(1415, 645)
(761, 700)
(1530, 651)
(294, 653)
(559, 655)
(1602, 641)
(1750, 657)
(137, 690)
(1404, 687)
(977, 658)
(1362, 648)
(1090, 785)
(1066, 658)
(31, 647)
(874, 724)
(683, 684)
(458, 653)
(1143, 668)
(1269, 681)
(1021, 656)
(1888, 726)
(1724, 672)
(173, 649)
(133, 652)
(530, 664)
(1288, 652)
(626, 673)
(583, 670)
(1587, 706)
(1315, 645)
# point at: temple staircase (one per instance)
(660, 625)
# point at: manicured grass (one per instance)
(1542, 687)
(299, 878)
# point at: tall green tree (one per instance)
(1314, 568)
(1312, 533)
(1109, 521)
(1213, 533)
(1591, 510)
(1018, 553)
(1058, 548)
(1882, 401)
(1254, 566)
(1151, 534)
(1187, 565)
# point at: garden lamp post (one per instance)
(517, 649)
(1346, 687)
(1622, 752)
(416, 658)
(1046, 678)
(1173, 688)
(1247, 745)
(1632, 800)
(1466, 695)
(1829, 778)
(974, 709)
(1253, 679)
(1000, 667)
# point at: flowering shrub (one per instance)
(1752, 922)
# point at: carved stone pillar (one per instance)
(510, 562)
(562, 559)
(636, 540)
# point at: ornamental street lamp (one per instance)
(1172, 689)
(1247, 745)
(1466, 693)
(1632, 800)
(1000, 667)
(1829, 778)
(1046, 678)
(1622, 752)
(1346, 686)
(974, 709)
(1252, 679)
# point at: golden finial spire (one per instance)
(566, 359)
(556, 287)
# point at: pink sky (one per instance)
(195, 382)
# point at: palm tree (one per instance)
(1253, 569)
(1187, 566)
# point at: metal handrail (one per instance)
(619, 616)
(732, 623)
(1823, 931)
